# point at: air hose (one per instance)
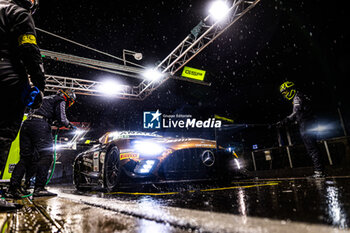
(53, 166)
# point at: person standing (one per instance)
(303, 115)
(36, 139)
(19, 57)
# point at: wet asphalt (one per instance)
(250, 205)
(302, 200)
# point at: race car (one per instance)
(126, 157)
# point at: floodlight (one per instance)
(109, 87)
(138, 56)
(218, 10)
(152, 74)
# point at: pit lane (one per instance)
(252, 205)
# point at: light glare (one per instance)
(109, 88)
(152, 74)
(148, 148)
(218, 10)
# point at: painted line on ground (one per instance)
(237, 187)
(191, 191)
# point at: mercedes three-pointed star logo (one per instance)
(208, 158)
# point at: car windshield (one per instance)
(110, 136)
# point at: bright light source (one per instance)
(58, 147)
(320, 128)
(218, 10)
(138, 56)
(148, 148)
(110, 88)
(152, 74)
(145, 166)
(237, 164)
(79, 131)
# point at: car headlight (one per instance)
(145, 166)
(148, 148)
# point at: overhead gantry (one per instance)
(200, 37)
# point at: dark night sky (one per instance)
(302, 41)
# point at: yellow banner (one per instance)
(193, 73)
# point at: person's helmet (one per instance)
(31, 5)
(69, 96)
(287, 89)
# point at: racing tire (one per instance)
(112, 169)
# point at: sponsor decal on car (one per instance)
(96, 159)
(129, 155)
(206, 145)
(102, 157)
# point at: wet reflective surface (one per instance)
(256, 205)
(75, 217)
(323, 201)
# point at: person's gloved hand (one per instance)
(38, 81)
(32, 97)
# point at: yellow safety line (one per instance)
(202, 190)
(236, 187)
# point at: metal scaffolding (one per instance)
(200, 37)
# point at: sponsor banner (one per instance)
(193, 73)
(129, 155)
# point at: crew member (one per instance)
(303, 115)
(19, 57)
(36, 140)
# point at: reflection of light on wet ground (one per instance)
(335, 210)
(147, 226)
(150, 206)
(242, 205)
(186, 210)
(69, 215)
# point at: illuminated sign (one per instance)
(193, 73)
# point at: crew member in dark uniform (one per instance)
(19, 57)
(303, 115)
(36, 138)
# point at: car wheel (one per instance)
(78, 178)
(112, 169)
